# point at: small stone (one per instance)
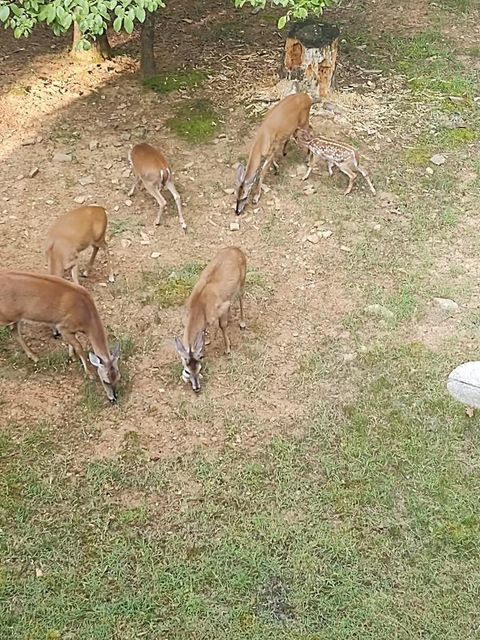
(93, 144)
(187, 166)
(265, 188)
(377, 227)
(108, 166)
(229, 192)
(155, 254)
(344, 248)
(38, 572)
(125, 242)
(20, 177)
(349, 357)
(126, 173)
(28, 141)
(438, 159)
(33, 172)
(379, 311)
(84, 180)
(429, 171)
(128, 203)
(79, 199)
(126, 136)
(445, 304)
(145, 239)
(62, 157)
(234, 226)
(313, 238)
(326, 234)
(309, 190)
(49, 201)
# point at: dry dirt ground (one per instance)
(301, 296)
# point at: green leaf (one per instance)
(4, 13)
(117, 24)
(139, 12)
(282, 21)
(128, 24)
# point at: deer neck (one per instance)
(98, 336)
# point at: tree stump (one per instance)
(310, 56)
(99, 51)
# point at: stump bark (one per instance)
(310, 57)
(99, 51)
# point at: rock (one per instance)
(438, 159)
(145, 239)
(234, 226)
(429, 171)
(155, 254)
(447, 305)
(229, 192)
(379, 311)
(33, 172)
(80, 199)
(313, 238)
(349, 357)
(187, 166)
(49, 201)
(125, 242)
(62, 157)
(309, 190)
(344, 248)
(28, 141)
(93, 144)
(126, 173)
(20, 177)
(108, 166)
(456, 99)
(84, 180)
(463, 384)
(128, 203)
(265, 189)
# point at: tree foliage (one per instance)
(296, 9)
(92, 16)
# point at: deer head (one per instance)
(108, 372)
(191, 360)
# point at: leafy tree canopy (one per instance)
(92, 16)
(297, 9)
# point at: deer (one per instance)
(342, 155)
(151, 169)
(67, 306)
(222, 280)
(72, 233)
(273, 134)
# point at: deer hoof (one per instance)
(242, 325)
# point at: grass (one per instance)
(180, 79)
(195, 121)
(170, 288)
(333, 535)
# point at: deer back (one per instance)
(149, 163)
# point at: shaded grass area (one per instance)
(181, 79)
(170, 288)
(195, 120)
(367, 527)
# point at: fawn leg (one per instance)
(29, 353)
(171, 187)
(346, 168)
(154, 190)
(311, 162)
(75, 273)
(241, 324)
(365, 174)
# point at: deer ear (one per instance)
(181, 349)
(240, 175)
(94, 359)
(197, 347)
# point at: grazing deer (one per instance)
(151, 168)
(273, 134)
(67, 306)
(345, 157)
(219, 284)
(72, 233)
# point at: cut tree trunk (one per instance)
(148, 64)
(310, 56)
(100, 49)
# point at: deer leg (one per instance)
(75, 273)
(154, 190)
(29, 353)
(104, 247)
(91, 261)
(135, 185)
(223, 322)
(241, 324)
(330, 164)
(311, 162)
(75, 347)
(285, 145)
(266, 165)
(171, 187)
(365, 174)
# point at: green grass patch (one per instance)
(459, 6)
(452, 138)
(172, 81)
(195, 121)
(170, 288)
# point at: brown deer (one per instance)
(219, 284)
(67, 306)
(72, 233)
(151, 168)
(345, 157)
(273, 134)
